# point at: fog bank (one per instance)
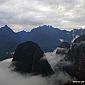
(8, 77)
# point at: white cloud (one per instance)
(27, 14)
(8, 77)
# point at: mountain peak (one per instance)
(6, 26)
(6, 29)
(46, 26)
(23, 31)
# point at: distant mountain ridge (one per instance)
(8, 41)
(47, 37)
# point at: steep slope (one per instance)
(76, 55)
(29, 58)
(8, 41)
(48, 37)
(23, 36)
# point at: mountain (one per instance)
(29, 58)
(81, 38)
(8, 41)
(23, 36)
(47, 37)
(76, 55)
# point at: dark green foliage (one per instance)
(28, 59)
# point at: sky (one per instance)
(28, 14)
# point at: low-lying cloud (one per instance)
(9, 77)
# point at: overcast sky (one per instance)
(26, 14)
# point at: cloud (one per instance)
(27, 14)
(8, 77)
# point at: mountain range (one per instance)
(47, 37)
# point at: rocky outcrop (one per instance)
(28, 58)
(77, 56)
(65, 45)
(79, 39)
(61, 51)
(63, 48)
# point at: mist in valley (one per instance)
(9, 77)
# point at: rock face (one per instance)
(79, 39)
(77, 56)
(61, 51)
(63, 48)
(8, 42)
(65, 45)
(28, 58)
